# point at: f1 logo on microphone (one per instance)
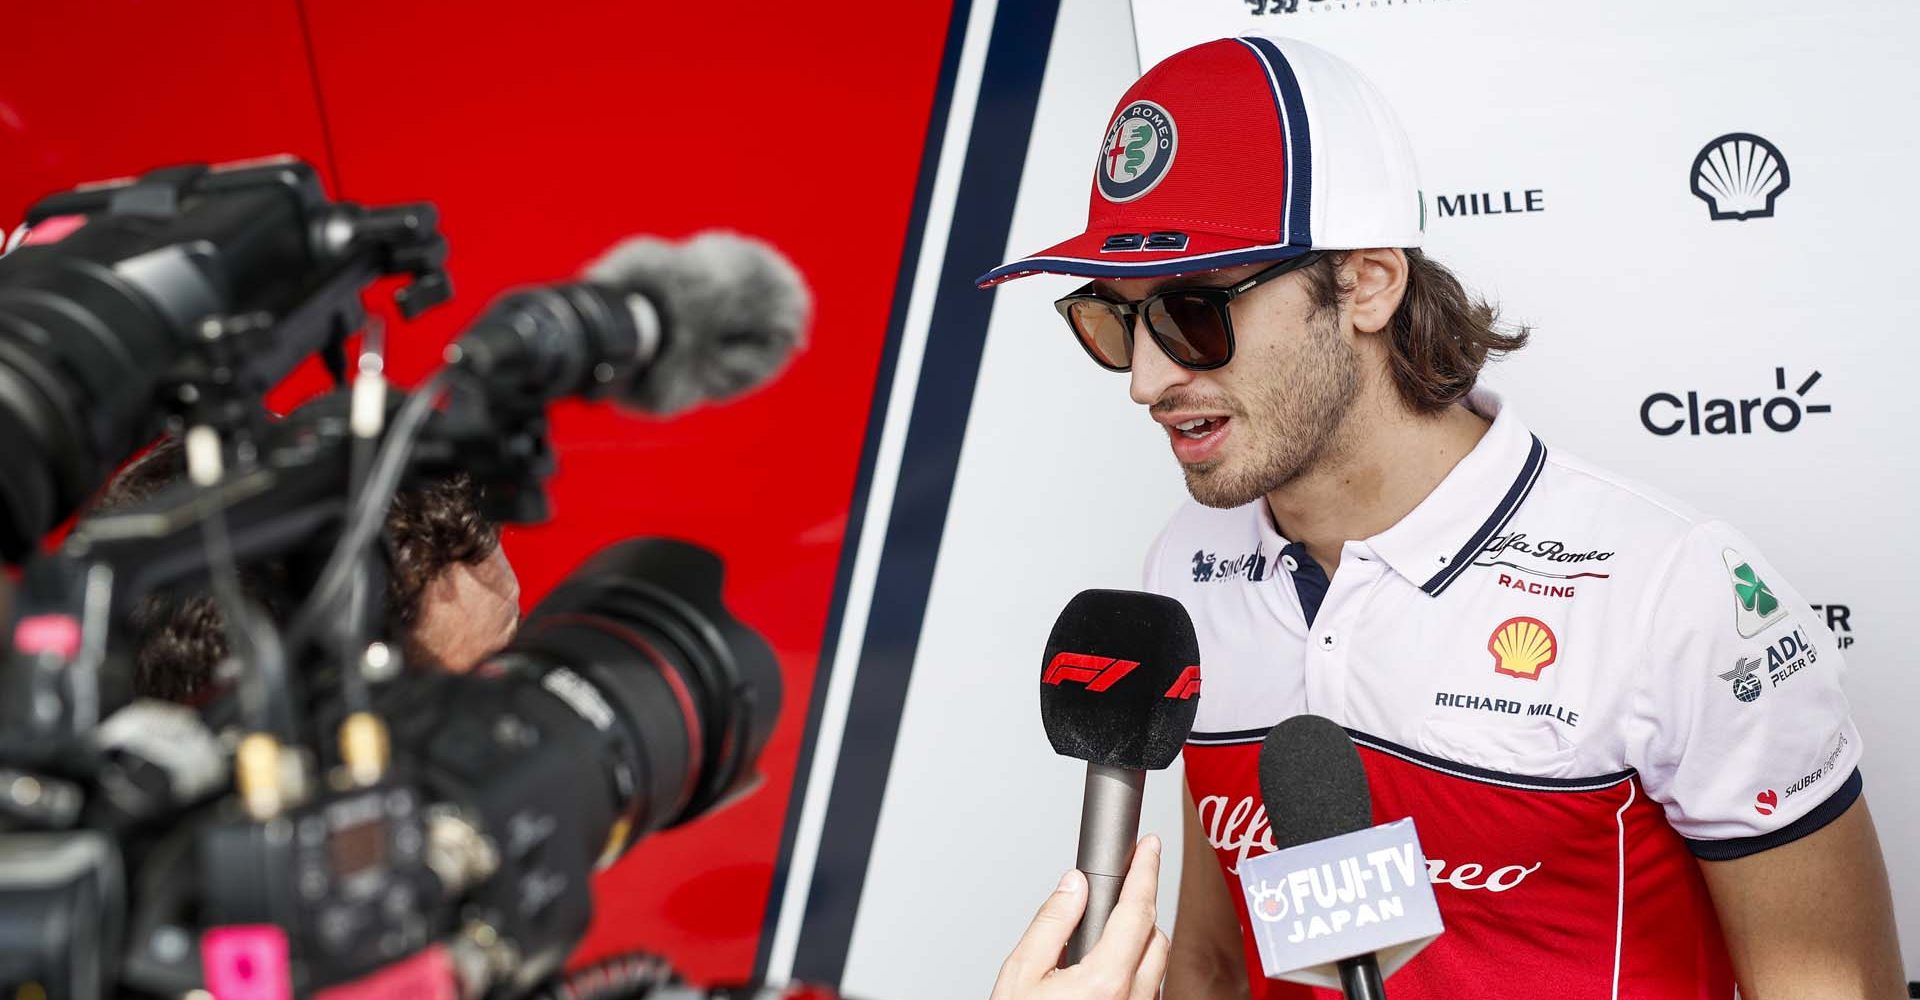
(1098, 673)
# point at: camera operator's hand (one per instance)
(1125, 964)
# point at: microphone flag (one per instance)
(1320, 902)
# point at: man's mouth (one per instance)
(1198, 439)
(1199, 427)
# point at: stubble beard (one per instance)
(1288, 425)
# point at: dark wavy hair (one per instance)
(182, 635)
(1439, 338)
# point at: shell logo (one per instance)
(1522, 647)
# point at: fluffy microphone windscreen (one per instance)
(1121, 679)
(735, 309)
(1313, 782)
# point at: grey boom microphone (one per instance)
(657, 325)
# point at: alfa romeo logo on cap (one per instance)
(1140, 147)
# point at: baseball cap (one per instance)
(1237, 151)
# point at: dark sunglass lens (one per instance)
(1103, 330)
(1190, 328)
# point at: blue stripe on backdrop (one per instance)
(869, 451)
(983, 216)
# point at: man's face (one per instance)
(468, 612)
(1273, 411)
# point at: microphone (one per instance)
(1341, 900)
(1118, 689)
(662, 326)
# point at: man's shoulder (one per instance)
(1579, 504)
(1582, 521)
(1571, 481)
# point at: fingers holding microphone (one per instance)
(1132, 935)
(1034, 957)
(1127, 963)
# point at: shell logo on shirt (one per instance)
(1522, 647)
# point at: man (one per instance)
(1621, 734)
(450, 590)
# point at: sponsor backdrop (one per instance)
(1693, 204)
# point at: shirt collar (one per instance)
(1437, 540)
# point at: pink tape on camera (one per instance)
(246, 962)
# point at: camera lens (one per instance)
(93, 322)
(79, 354)
(696, 692)
(631, 701)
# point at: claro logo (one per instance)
(1099, 673)
(1666, 414)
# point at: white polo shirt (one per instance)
(1573, 685)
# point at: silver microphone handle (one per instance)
(1109, 825)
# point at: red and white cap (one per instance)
(1238, 151)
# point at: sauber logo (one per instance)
(1098, 673)
(1186, 685)
(1766, 802)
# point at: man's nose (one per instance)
(1153, 372)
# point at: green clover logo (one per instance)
(1753, 592)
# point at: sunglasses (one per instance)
(1192, 325)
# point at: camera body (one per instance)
(330, 821)
(184, 278)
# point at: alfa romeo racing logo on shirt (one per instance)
(1754, 606)
(1547, 557)
(1140, 147)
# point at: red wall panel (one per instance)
(545, 132)
(93, 89)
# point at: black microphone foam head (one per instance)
(1121, 679)
(1313, 782)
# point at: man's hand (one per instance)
(1125, 964)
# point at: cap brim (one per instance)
(1083, 257)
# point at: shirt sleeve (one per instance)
(1740, 727)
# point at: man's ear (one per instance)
(1379, 282)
